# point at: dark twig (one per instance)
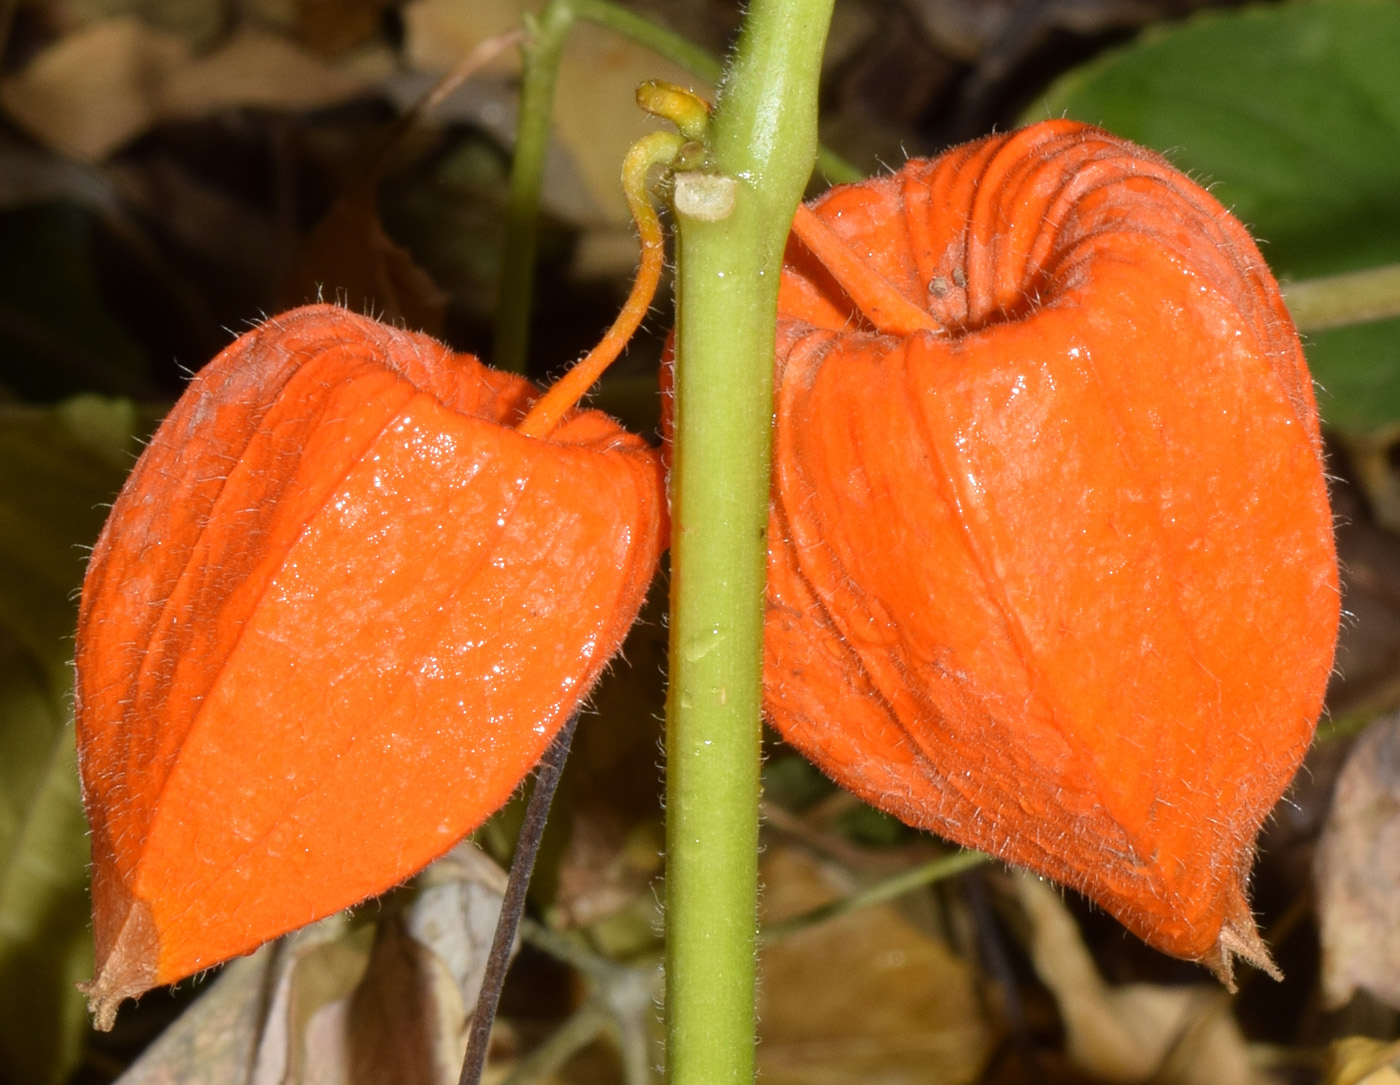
(521, 867)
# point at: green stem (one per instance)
(542, 54)
(764, 140)
(658, 39)
(835, 170)
(832, 168)
(569, 1039)
(626, 991)
(895, 886)
(1357, 297)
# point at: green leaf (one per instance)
(58, 468)
(58, 332)
(1292, 113)
(44, 944)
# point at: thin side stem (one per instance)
(542, 55)
(1357, 297)
(467, 67)
(657, 38)
(626, 991)
(551, 767)
(884, 306)
(571, 1037)
(835, 170)
(545, 414)
(897, 885)
(764, 141)
(698, 62)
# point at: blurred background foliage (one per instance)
(171, 170)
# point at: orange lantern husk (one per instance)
(1052, 570)
(337, 613)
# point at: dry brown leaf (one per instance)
(455, 915)
(335, 1005)
(394, 1020)
(235, 1034)
(332, 26)
(261, 71)
(349, 259)
(1136, 1032)
(1373, 461)
(606, 866)
(1358, 872)
(594, 114)
(438, 33)
(95, 89)
(325, 975)
(866, 997)
(99, 87)
(194, 20)
(1360, 1060)
(406, 1020)
(280, 14)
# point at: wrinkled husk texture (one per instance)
(337, 613)
(1055, 580)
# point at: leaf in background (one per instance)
(1360, 1060)
(44, 947)
(332, 1004)
(94, 89)
(58, 334)
(1294, 112)
(331, 27)
(1136, 1032)
(1358, 872)
(248, 1027)
(867, 996)
(198, 22)
(57, 468)
(594, 117)
(104, 84)
(448, 213)
(349, 258)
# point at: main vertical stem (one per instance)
(764, 138)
